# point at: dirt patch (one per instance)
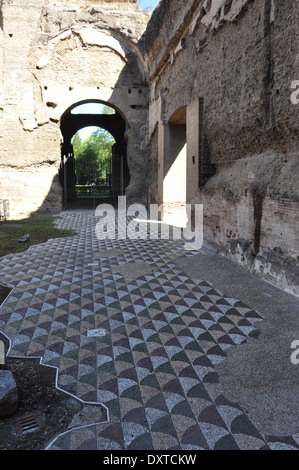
(4, 292)
(37, 392)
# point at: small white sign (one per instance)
(97, 333)
(295, 354)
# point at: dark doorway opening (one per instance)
(89, 181)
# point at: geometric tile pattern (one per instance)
(144, 347)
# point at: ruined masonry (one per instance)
(206, 112)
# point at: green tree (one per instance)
(93, 157)
(77, 144)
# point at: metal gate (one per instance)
(100, 187)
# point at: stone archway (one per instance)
(68, 55)
(115, 125)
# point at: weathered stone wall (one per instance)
(242, 66)
(56, 55)
(232, 65)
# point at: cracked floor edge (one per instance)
(155, 369)
(70, 428)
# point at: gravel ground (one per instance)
(37, 393)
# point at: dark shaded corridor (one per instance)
(108, 193)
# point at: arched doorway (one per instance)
(100, 185)
(172, 169)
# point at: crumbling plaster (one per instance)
(239, 58)
(54, 57)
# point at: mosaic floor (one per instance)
(126, 328)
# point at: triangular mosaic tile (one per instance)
(158, 338)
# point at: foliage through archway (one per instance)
(93, 158)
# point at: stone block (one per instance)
(8, 393)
